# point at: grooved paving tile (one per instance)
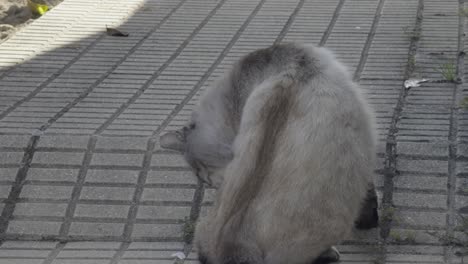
(389, 50)
(39, 228)
(183, 73)
(96, 229)
(350, 32)
(311, 21)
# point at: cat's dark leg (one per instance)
(368, 217)
(329, 256)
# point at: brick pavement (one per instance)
(82, 177)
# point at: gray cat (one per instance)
(289, 141)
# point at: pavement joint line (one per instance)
(390, 165)
(132, 212)
(290, 21)
(15, 192)
(75, 196)
(195, 212)
(166, 64)
(120, 252)
(332, 23)
(84, 94)
(50, 79)
(453, 133)
(53, 254)
(370, 38)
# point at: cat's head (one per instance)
(203, 152)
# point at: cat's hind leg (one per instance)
(368, 217)
(329, 256)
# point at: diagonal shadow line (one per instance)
(109, 72)
(140, 91)
(14, 67)
(50, 79)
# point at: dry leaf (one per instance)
(115, 32)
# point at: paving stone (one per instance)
(433, 201)
(96, 229)
(422, 166)
(400, 258)
(40, 209)
(53, 174)
(4, 191)
(138, 261)
(46, 192)
(163, 194)
(78, 261)
(100, 211)
(111, 176)
(28, 244)
(152, 255)
(65, 158)
(67, 141)
(156, 246)
(121, 143)
(163, 212)
(421, 182)
(11, 157)
(419, 218)
(24, 253)
(157, 231)
(33, 227)
(421, 148)
(117, 159)
(171, 177)
(8, 174)
(17, 141)
(165, 160)
(21, 261)
(106, 193)
(98, 253)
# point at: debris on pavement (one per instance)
(115, 32)
(178, 255)
(414, 82)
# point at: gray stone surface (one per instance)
(83, 179)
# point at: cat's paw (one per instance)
(329, 256)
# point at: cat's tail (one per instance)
(264, 118)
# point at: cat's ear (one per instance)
(173, 140)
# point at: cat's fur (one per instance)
(289, 140)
